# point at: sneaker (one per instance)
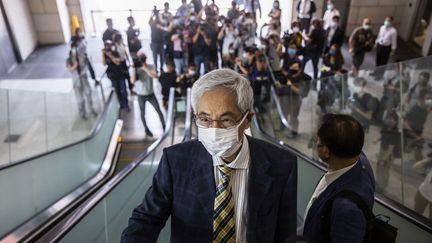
(148, 133)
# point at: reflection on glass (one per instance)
(422, 22)
(395, 113)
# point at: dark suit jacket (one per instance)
(184, 188)
(338, 38)
(347, 222)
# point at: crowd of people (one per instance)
(198, 38)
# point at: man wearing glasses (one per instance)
(225, 186)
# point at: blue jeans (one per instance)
(198, 59)
(179, 65)
(158, 50)
(120, 88)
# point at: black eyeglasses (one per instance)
(225, 122)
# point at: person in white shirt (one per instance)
(329, 14)
(386, 43)
(305, 10)
(144, 89)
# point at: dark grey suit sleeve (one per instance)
(150, 217)
(287, 218)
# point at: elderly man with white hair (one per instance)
(225, 186)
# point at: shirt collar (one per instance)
(242, 159)
(331, 176)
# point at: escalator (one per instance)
(102, 215)
(114, 154)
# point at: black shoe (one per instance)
(148, 133)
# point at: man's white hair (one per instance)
(226, 78)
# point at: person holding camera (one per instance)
(80, 83)
(157, 40)
(201, 44)
(111, 58)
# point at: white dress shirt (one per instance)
(304, 9)
(238, 183)
(328, 17)
(387, 36)
(325, 181)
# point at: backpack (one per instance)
(377, 227)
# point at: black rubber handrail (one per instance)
(79, 213)
(92, 134)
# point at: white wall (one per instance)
(19, 17)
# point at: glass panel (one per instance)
(393, 103)
(27, 123)
(44, 180)
(422, 22)
(119, 204)
(4, 128)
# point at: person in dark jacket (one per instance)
(314, 45)
(225, 186)
(305, 10)
(334, 34)
(340, 143)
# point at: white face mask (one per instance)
(221, 142)
(296, 29)
(245, 56)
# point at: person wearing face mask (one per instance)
(294, 36)
(329, 14)
(334, 34)
(386, 44)
(360, 42)
(224, 186)
(329, 216)
(292, 89)
(290, 56)
(305, 10)
(275, 15)
(114, 71)
(80, 83)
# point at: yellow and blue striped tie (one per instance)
(223, 217)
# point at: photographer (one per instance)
(201, 44)
(111, 58)
(157, 41)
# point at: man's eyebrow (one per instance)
(228, 113)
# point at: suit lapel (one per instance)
(204, 182)
(259, 183)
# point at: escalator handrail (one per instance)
(385, 201)
(79, 213)
(188, 121)
(42, 220)
(91, 135)
(273, 94)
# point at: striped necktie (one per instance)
(223, 217)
